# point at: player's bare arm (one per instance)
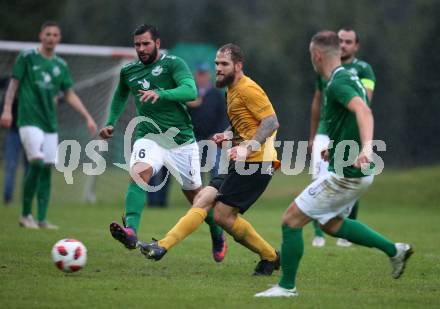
(76, 103)
(314, 118)
(6, 117)
(266, 128)
(364, 118)
(369, 94)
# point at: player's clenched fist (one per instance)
(220, 137)
(6, 120)
(106, 132)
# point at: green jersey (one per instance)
(340, 122)
(172, 80)
(358, 68)
(41, 80)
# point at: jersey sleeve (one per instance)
(19, 68)
(67, 81)
(343, 93)
(368, 79)
(257, 102)
(186, 87)
(119, 101)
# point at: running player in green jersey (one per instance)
(348, 118)
(161, 85)
(349, 43)
(39, 75)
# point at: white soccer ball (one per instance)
(69, 255)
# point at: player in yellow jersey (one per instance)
(253, 159)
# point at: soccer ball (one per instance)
(69, 255)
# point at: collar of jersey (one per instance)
(240, 81)
(335, 71)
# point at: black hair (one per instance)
(147, 28)
(356, 36)
(49, 23)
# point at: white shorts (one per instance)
(183, 162)
(38, 144)
(319, 166)
(332, 196)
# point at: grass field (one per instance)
(404, 205)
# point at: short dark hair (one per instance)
(356, 36)
(234, 50)
(49, 23)
(147, 28)
(327, 40)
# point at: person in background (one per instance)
(12, 152)
(208, 114)
(38, 76)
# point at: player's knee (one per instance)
(289, 215)
(141, 171)
(293, 217)
(205, 198)
(201, 202)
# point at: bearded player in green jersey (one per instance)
(161, 85)
(349, 43)
(329, 198)
(39, 75)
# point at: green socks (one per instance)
(361, 234)
(43, 193)
(134, 205)
(31, 184)
(292, 250)
(318, 231)
(213, 228)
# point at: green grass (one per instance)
(404, 205)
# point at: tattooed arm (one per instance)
(266, 128)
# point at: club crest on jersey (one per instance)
(46, 77)
(353, 71)
(157, 70)
(56, 71)
(145, 84)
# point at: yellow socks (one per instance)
(185, 226)
(242, 231)
(245, 234)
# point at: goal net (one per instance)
(95, 70)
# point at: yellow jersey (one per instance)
(247, 105)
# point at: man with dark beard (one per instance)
(253, 160)
(161, 85)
